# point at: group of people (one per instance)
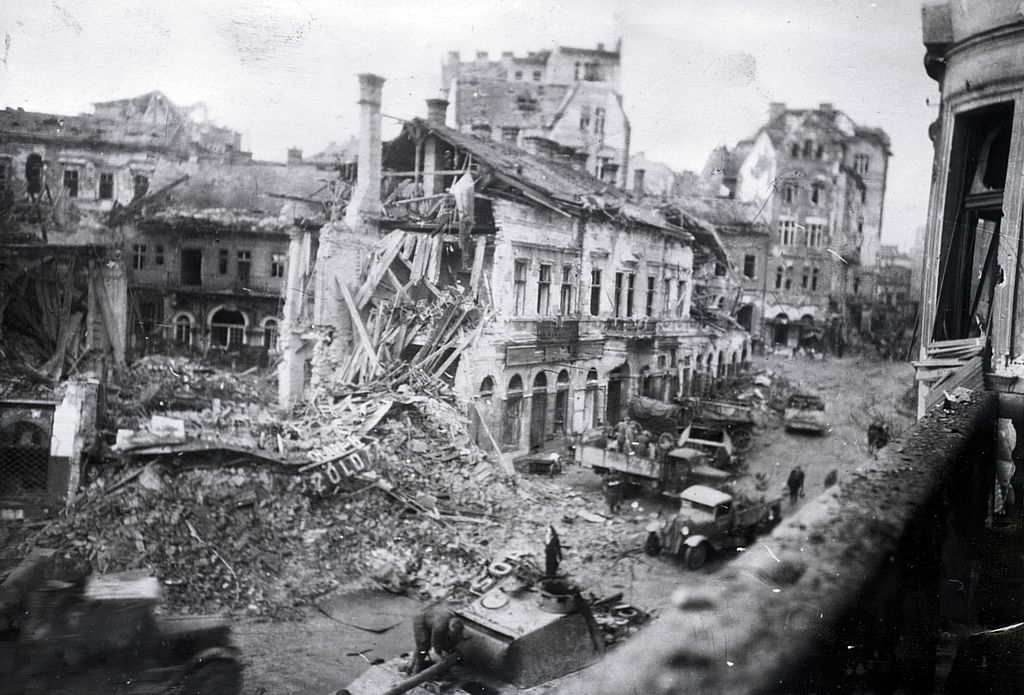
(645, 443)
(795, 483)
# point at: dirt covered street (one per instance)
(319, 653)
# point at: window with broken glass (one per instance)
(968, 263)
(519, 281)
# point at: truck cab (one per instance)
(805, 413)
(711, 520)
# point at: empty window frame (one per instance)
(817, 193)
(544, 289)
(71, 182)
(158, 254)
(651, 291)
(787, 232)
(780, 272)
(619, 281)
(140, 186)
(638, 181)
(106, 191)
(750, 266)
(788, 193)
(519, 280)
(630, 290)
(666, 297)
(191, 266)
(682, 289)
(805, 278)
(565, 292)
(270, 335)
(814, 279)
(537, 74)
(599, 117)
(862, 163)
(595, 292)
(815, 234)
(584, 117)
(244, 265)
(183, 330)
(968, 270)
(222, 261)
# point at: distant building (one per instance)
(647, 178)
(819, 180)
(569, 97)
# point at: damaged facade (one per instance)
(582, 298)
(565, 102)
(819, 181)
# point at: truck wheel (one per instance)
(742, 440)
(666, 441)
(695, 556)
(218, 677)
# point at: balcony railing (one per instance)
(631, 328)
(847, 594)
(166, 279)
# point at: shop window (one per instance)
(520, 288)
(972, 223)
(71, 182)
(106, 185)
(544, 290)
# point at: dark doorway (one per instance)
(539, 411)
(617, 389)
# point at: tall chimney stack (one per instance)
(437, 111)
(365, 200)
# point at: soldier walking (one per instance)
(795, 483)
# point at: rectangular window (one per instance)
(787, 232)
(595, 292)
(815, 234)
(158, 255)
(140, 186)
(584, 117)
(779, 272)
(277, 265)
(599, 121)
(649, 305)
(106, 185)
(619, 280)
(222, 261)
(814, 279)
(149, 318)
(536, 75)
(861, 163)
(244, 265)
(805, 278)
(5, 173)
(510, 135)
(681, 289)
(520, 286)
(968, 264)
(138, 256)
(191, 266)
(544, 289)
(71, 182)
(750, 266)
(638, 181)
(565, 294)
(518, 74)
(666, 297)
(630, 288)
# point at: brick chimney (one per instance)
(437, 111)
(294, 155)
(826, 107)
(600, 47)
(365, 202)
(776, 109)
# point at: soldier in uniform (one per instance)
(438, 627)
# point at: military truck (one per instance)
(62, 634)
(668, 473)
(805, 413)
(728, 419)
(711, 520)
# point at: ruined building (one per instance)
(818, 180)
(565, 102)
(578, 298)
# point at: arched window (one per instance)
(808, 149)
(513, 412)
(794, 151)
(817, 193)
(270, 334)
(591, 416)
(486, 389)
(789, 193)
(183, 330)
(779, 272)
(561, 415)
(227, 328)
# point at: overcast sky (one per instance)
(695, 73)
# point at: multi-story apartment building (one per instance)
(568, 96)
(588, 304)
(819, 180)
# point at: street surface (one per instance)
(319, 654)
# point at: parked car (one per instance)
(711, 520)
(805, 412)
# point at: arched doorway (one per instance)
(183, 330)
(591, 417)
(618, 390)
(270, 334)
(562, 403)
(781, 333)
(745, 317)
(539, 411)
(513, 412)
(483, 411)
(227, 328)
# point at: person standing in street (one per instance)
(622, 435)
(552, 553)
(613, 493)
(795, 483)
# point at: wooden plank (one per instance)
(389, 249)
(358, 323)
(504, 461)
(478, 266)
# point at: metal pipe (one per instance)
(423, 676)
